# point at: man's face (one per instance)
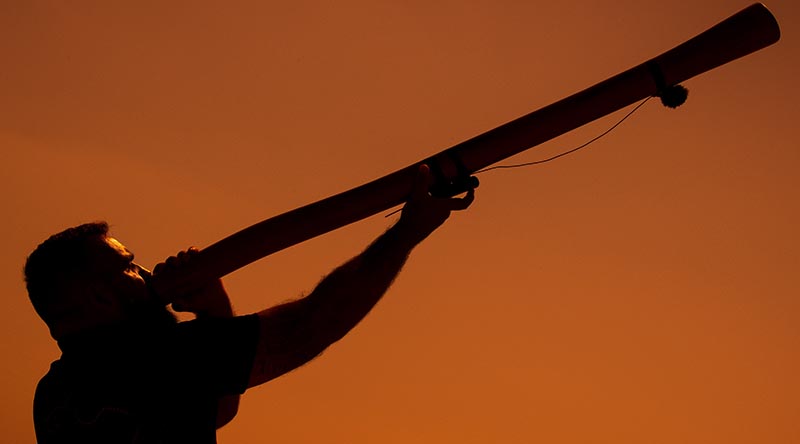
(111, 291)
(115, 266)
(121, 282)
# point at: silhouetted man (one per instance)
(130, 373)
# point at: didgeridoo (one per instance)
(748, 31)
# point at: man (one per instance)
(130, 373)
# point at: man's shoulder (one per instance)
(64, 411)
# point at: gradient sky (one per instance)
(644, 290)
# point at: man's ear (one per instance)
(85, 305)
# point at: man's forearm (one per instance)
(345, 296)
(293, 333)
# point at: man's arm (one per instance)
(293, 333)
(210, 301)
(228, 405)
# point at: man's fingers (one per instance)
(458, 204)
(422, 182)
(178, 260)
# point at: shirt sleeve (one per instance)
(217, 353)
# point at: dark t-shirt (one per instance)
(143, 384)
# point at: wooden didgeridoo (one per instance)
(749, 30)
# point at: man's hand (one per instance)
(210, 300)
(424, 213)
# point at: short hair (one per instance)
(63, 256)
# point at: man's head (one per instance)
(82, 278)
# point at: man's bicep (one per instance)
(287, 339)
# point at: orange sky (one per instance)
(641, 291)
